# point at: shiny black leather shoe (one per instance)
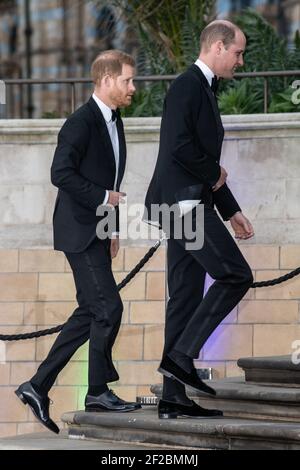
(171, 410)
(170, 369)
(109, 401)
(38, 403)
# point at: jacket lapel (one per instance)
(122, 151)
(212, 99)
(102, 128)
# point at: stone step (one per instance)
(49, 441)
(144, 427)
(273, 369)
(239, 399)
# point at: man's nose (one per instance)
(241, 61)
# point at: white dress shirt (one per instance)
(187, 205)
(113, 134)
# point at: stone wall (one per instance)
(37, 292)
(36, 286)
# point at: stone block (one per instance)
(18, 287)
(135, 290)
(286, 290)
(118, 261)
(153, 342)
(261, 256)
(290, 256)
(44, 343)
(9, 261)
(64, 399)
(233, 370)
(22, 350)
(139, 372)
(229, 342)
(75, 373)
(14, 411)
(41, 261)
(268, 311)
(48, 313)
(30, 428)
(11, 313)
(8, 429)
(56, 286)
(4, 373)
(147, 312)
(155, 287)
(274, 340)
(129, 343)
(134, 254)
(127, 393)
(22, 372)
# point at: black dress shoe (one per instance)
(38, 403)
(170, 369)
(109, 401)
(170, 410)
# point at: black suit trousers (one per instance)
(190, 317)
(97, 318)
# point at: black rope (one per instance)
(56, 329)
(277, 280)
(126, 280)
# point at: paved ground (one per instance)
(51, 441)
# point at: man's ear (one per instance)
(219, 46)
(106, 80)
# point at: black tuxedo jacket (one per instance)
(191, 139)
(83, 168)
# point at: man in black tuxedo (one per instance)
(187, 173)
(88, 168)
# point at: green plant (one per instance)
(282, 102)
(168, 32)
(171, 28)
(241, 99)
(265, 50)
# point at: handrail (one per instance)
(148, 78)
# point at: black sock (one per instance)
(96, 390)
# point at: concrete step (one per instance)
(240, 399)
(143, 426)
(49, 441)
(273, 369)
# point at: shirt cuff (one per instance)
(106, 197)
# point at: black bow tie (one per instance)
(115, 114)
(214, 84)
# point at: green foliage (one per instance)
(241, 99)
(265, 50)
(147, 101)
(169, 31)
(170, 28)
(282, 102)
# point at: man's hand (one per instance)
(241, 226)
(115, 198)
(221, 180)
(114, 246)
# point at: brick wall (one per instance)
(37, 292)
